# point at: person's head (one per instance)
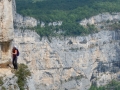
(14, 47)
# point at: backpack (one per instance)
(17, 52)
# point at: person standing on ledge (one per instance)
(14, 57)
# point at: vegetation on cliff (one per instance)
(113, 85)
(68, 11)
(22, 73)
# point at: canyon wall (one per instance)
(68, 63)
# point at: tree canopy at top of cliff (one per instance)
(75, 10)
(68, 11)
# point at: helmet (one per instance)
(15, 46)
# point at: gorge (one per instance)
(65, 63)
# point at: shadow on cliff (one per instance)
(112, 66)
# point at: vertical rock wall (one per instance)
(6, 30)
(67, 63)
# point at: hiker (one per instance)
(14, 57)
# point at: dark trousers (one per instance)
(14, 62)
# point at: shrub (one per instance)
(113, 85)
(22, 74)
(115, 26)
(79, 77)
(3, 88)
(1, 82)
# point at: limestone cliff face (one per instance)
(67, 63)
(7, 79)
(24, 22)
(29, 22)
(103, 17)
(6, 20)
(6, 30)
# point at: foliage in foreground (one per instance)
(22, 74)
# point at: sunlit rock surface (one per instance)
(67, 63)
(6, 30)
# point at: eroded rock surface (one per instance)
(6, 20)
(67, 63)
